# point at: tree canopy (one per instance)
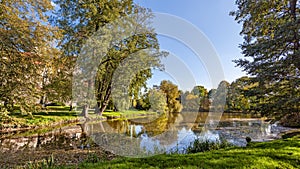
(271, 50)
(172, 95)
(26, 50)
(115, 38)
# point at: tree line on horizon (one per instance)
(239, 97)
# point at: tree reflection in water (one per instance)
(144, 137)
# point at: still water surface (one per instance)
(141, 136)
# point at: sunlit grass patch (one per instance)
(128, 114)
(274, 154)
(39, 119)
(58, 108)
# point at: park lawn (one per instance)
(58, 108)
(283, 153)
(17, 120)
(60, 114)
(48, 118)
(128, 114)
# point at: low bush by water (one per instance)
(200, 145)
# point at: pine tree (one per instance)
(271, 47)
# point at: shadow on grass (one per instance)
(57, 113)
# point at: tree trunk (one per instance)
(43, 100)
(84, 127)
(100, 107)
(85, 111)
(103, 107)
(71, 106)
(115, 108)
(105, 100)
(293, 4)
(97, 110)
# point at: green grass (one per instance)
(39, 119)
(58, 108)
(57, 114)
(276, 154)
(111, 113)
(128, 114)
(43, 118)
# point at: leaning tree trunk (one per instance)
(101, 106)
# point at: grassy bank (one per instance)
(128, 114)
(55, 115)
(41, 119)
(284, 153)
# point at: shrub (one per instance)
(200, 145)
(92, 158)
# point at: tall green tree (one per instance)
(128, 64)
(110, 20)
(271, 47)
(26, 48)
(80, 20)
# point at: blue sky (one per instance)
(212, 18)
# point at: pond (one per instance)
(149, 135)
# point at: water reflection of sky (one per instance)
(233, 131)
(150, 144)
(138, 129)
(184, 138)
(128, 138)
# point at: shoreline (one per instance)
(99, 158)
